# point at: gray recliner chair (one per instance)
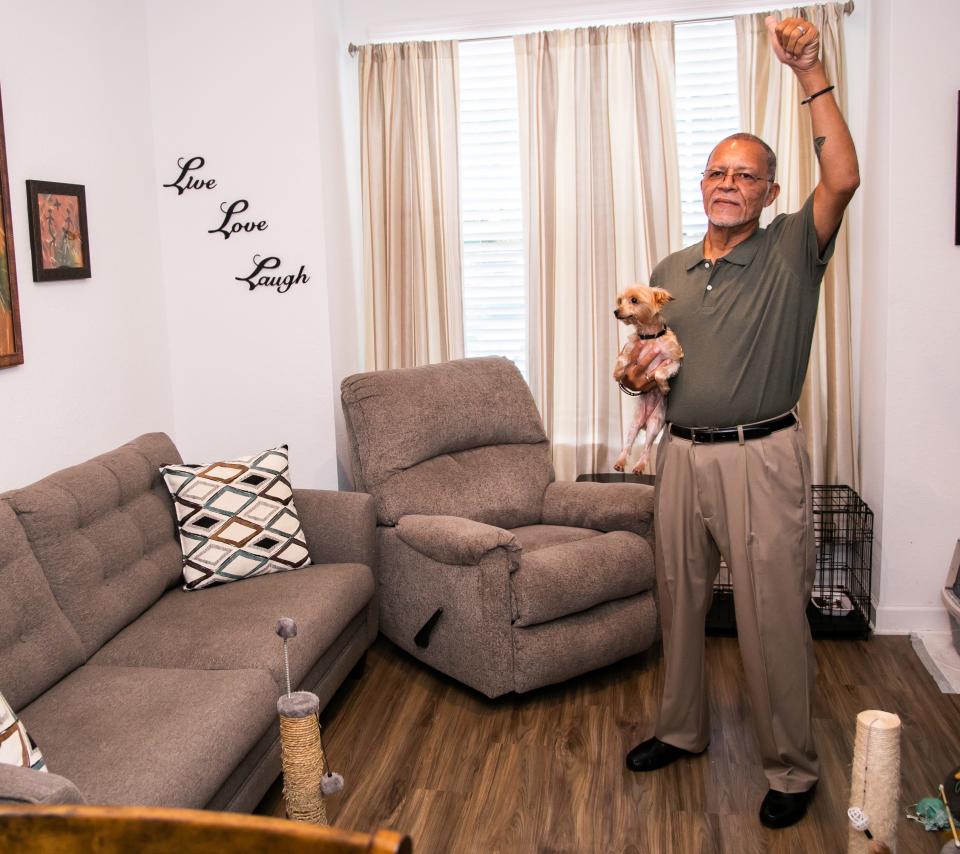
(489, 570)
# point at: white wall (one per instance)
(237, 83)
(913, 275)
(110, 94)
(338, 89)
(874, 152)
(76, 109)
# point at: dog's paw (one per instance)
(620, 464)
(640, 467)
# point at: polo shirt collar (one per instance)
(741, 254)
(692, 256)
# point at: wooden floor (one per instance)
(544, 772)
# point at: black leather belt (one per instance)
(732, 434)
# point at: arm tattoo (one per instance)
(818, 144)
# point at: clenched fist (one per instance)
(796, 42)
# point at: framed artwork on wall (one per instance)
(11, 344)
(59, 240)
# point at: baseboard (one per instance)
(903, 621)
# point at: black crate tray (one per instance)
(721, 620)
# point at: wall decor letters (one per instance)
(230, 226)
(185, 181)
(281, 283)
(231, 210)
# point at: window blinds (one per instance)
(707, 107)
(494, 288)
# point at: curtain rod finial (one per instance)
(352, 49)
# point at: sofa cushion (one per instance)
(560, 580)
(231, 626)
(104, 534)
(237, 518)
(500, 485)
(402, 417)
(25, 786)
(602, 506)
(157, 737)
(554, 651)
(535, 537)
(16, 745)
(37, 643)
(461, 438)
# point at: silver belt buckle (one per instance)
(703, 431)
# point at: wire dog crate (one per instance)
(840, 605)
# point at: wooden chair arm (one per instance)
(78, 829)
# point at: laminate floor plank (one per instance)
(544, 772)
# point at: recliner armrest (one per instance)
(27, 786)
(340, 527)
(601, 506)
(453, 539)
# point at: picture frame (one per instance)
(11, 342)
(59, 238)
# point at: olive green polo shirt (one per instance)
(745, 323)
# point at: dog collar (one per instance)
(655, 335)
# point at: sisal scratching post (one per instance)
(302, 757)
(875, 782)
(305, 785)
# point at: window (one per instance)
(707, 108)
(494, 282)
(494, 286)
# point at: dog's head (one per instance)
(639, 305)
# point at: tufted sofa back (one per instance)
(38, 646)
(103, 534)
(461, 438)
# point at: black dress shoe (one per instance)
(780, 809)
(653, 754)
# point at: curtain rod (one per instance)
(848, 7)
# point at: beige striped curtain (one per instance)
(602, 204)
(770, 108)
(411, 203)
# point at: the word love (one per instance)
(185, 181)
(281, 283)
(230, 226)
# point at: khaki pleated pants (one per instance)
(751, 503)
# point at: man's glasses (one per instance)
(743, 180)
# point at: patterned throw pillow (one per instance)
(237, 518)
(16, 746)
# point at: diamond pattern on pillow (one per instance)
(16, 746)
(237, 518)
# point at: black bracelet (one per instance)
(817, 95)
(626, 390)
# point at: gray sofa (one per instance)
(489, 570)
(136, 691)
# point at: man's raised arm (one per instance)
(796, 43)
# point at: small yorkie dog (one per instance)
(639, 306)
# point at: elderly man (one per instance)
(733, 476)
